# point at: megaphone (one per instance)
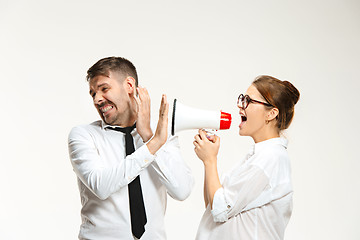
(184, 117)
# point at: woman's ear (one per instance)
(130, 85)
(272, 114)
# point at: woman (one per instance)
(254, 199)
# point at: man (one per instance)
(121, 173)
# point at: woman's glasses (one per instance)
(244, 101)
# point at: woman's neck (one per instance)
(266, 134)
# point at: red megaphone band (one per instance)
(225, 120)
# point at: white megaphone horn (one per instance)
(184, 117)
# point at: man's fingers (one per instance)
(164, 107)
(143, 93)
(146, 93)
(137, 99)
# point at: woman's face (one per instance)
(254, 116)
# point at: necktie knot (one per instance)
(129, 142)
(126, 130)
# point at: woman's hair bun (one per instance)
(293, 92)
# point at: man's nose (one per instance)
(98, 98)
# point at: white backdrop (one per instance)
(202, 52)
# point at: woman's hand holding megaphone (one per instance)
(207, 147)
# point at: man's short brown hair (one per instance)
(120, 65)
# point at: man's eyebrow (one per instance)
(99, 86)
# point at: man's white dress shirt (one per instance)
(255, 200)
(104, 171)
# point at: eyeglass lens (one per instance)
(243, 100)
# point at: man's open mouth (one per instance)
(105, 108)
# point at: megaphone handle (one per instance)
(209, 132)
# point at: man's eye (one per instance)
(104, 89)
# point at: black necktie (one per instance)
(136, 201)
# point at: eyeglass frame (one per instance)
(250, 100)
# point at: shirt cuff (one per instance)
(144, 156)
(220, 207)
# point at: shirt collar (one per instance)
(272, 141)
(105, 125)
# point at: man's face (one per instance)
(112, 98)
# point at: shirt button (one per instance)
(146, 161)
(228, 206)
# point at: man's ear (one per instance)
(272, 114)
(130, 85)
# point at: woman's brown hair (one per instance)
(281, 94)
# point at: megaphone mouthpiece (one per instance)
(225, 120)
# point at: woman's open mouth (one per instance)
(243, 120)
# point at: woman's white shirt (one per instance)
(255, 200)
